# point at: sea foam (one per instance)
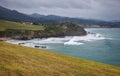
(78, 40)
(68, 40)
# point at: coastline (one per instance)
(5, 38)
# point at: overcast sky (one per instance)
(90, 9)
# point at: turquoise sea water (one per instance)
(102, 46)
(105, 50)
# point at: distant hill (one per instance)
(85, 22)
(14, 15)
(66, 19)
(36, 15)
(52, 17)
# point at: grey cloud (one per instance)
(46, 3)
(96, 9)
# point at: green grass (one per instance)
(18, 60)
(4, 24)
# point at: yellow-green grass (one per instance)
(18, 60)
(4, 24)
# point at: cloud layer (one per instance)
(93, 9)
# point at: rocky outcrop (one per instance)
(54, 30)
(64, 29)
(71, 29)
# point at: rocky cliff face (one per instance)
(70, 29)
(54, 30)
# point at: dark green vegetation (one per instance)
(18, 60)
(14, 15)
(63, 29)
(27, 31)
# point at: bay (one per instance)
(103, 47)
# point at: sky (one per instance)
(88, 9)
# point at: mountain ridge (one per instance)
(36, 18)
(14, 15)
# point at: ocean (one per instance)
(101, 45)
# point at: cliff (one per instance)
(27, 31)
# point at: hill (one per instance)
(64, 29)
(89, 23)
(55, 18)
(16, 30)
(4, 25)
(18, 60)
(14, 15)
(27, 31)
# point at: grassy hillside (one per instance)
(25, 31)
(18, 60)
(4, 25)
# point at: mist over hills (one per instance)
(65, 19)
(36, 18)
(14, 15)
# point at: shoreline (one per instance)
(5, 38)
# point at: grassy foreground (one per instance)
(4, 25)
(18, 60)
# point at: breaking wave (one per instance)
(68, 40)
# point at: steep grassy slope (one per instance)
(18, 60)
(4, 25)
